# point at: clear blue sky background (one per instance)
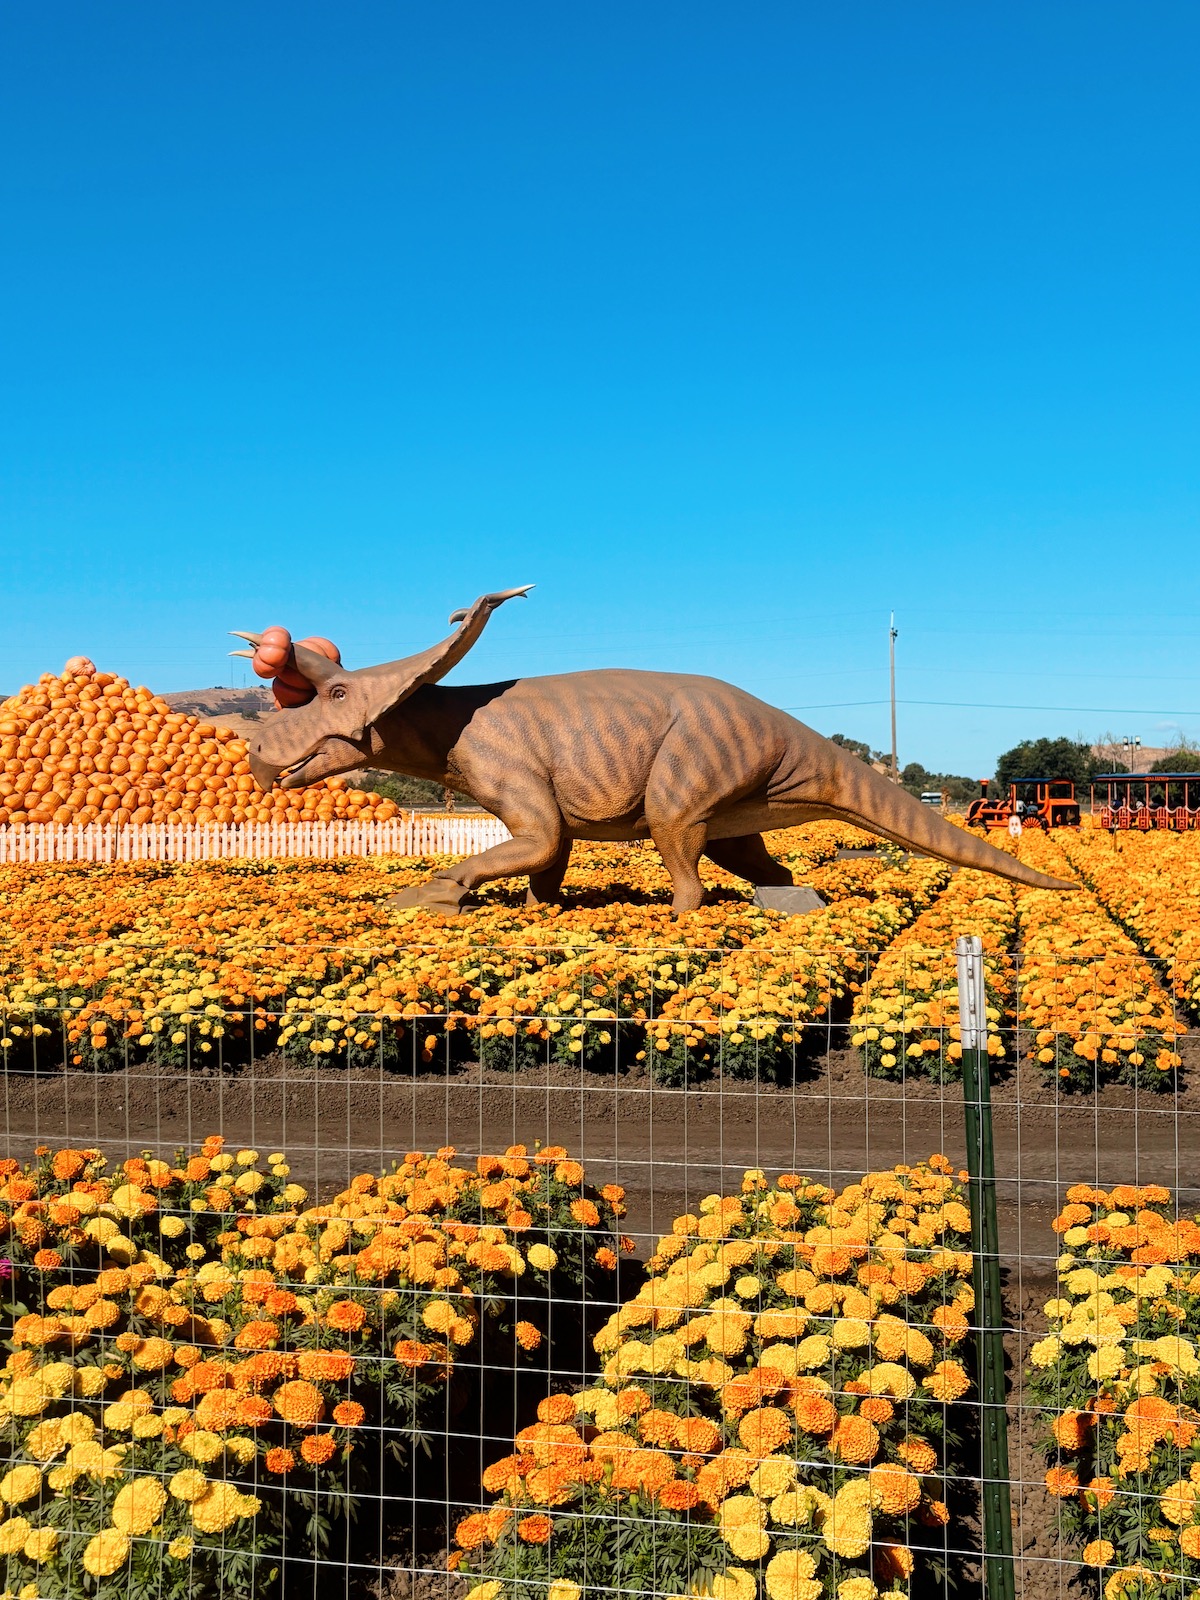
(733, 327)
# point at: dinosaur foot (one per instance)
(437, 894)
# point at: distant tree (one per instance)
(407, 792)
(957, 789)
(1179, 760)
(854, 747)
(1047, 758)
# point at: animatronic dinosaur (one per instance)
(696, 765)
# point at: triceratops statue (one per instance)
(694, 764)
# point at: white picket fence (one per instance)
(409, 834)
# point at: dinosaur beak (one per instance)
(264, 773)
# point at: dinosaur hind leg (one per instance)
(544, 885)
(748, 857)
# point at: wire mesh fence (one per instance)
(562, 1264)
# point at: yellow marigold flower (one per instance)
(948, 1381)
(742, 1522)
(138, 1506)
(171, 1227)
(106, 1552)
(789, 1576)
(202, 1446)
(774, 1477)
(46, 1440)
(563, 1589)
(21, 1484)
(90, 1381)
(856, 1589)
(794, 1508)
(485, 1591)
(13, 1535)
(888, 1378)
(28, 1397)
(41, 1545)
(181, 1549)
(1098, 1553)
(188, 1485)
(812, 1352)
(222, 1506)
(851, 1333)
(735, 1583)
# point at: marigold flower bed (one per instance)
(203, 1365)
(775, 1415)
(1118, 1381)
(1095, 1005)
(1148, 881)
(906, 1017)
(113, 966)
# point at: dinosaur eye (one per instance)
(337, 694)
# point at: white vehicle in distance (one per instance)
(931, 797)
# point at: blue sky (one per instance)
(733, 328)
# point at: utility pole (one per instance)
(892, 660)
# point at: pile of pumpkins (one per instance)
(87, 747)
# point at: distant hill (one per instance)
(240, 710)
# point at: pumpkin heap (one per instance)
(87, 746)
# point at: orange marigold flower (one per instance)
(895, 1488)
(815, 1413)
(697, 1435)
(280, 1302)
(279, 1460)
(764, 1430)
(318, 1448)
(474, 1530)
(325, 1366)
(67, 1164)
(918, 1454)
(1072, 1430)
(412, 1353)
(300, 1403)
(256, 1335)
(535, 1529)
(346, 1316)
(606, 1259)
(1062, 1481)
(253, 1411)
(584, 1211)
(877, 1409)
(556, 1409)
(348, 1414)
(48, 1260)
(678, 1496)
(855, 1440)
(528, 1336)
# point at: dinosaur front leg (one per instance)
(537, 845)
(748, 857)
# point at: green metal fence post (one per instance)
(999, 1573)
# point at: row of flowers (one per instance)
(905, 1019)
(775, 1414)
(1117, 1379)
(1092, 1002)
(183, 964)
(205, 1368)
(1148, 882)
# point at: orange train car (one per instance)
(1039, 803)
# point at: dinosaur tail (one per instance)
(864, 797)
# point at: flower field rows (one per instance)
(1117, 1380)
(112, 965)
(905, 1019)
(1149, 884)
(775, 1415)
(1094, 1004)
(1057, 964)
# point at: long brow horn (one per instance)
(493, 600)
(315, 667)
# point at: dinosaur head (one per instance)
(331, 731)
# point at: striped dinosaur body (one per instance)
(694, 764)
